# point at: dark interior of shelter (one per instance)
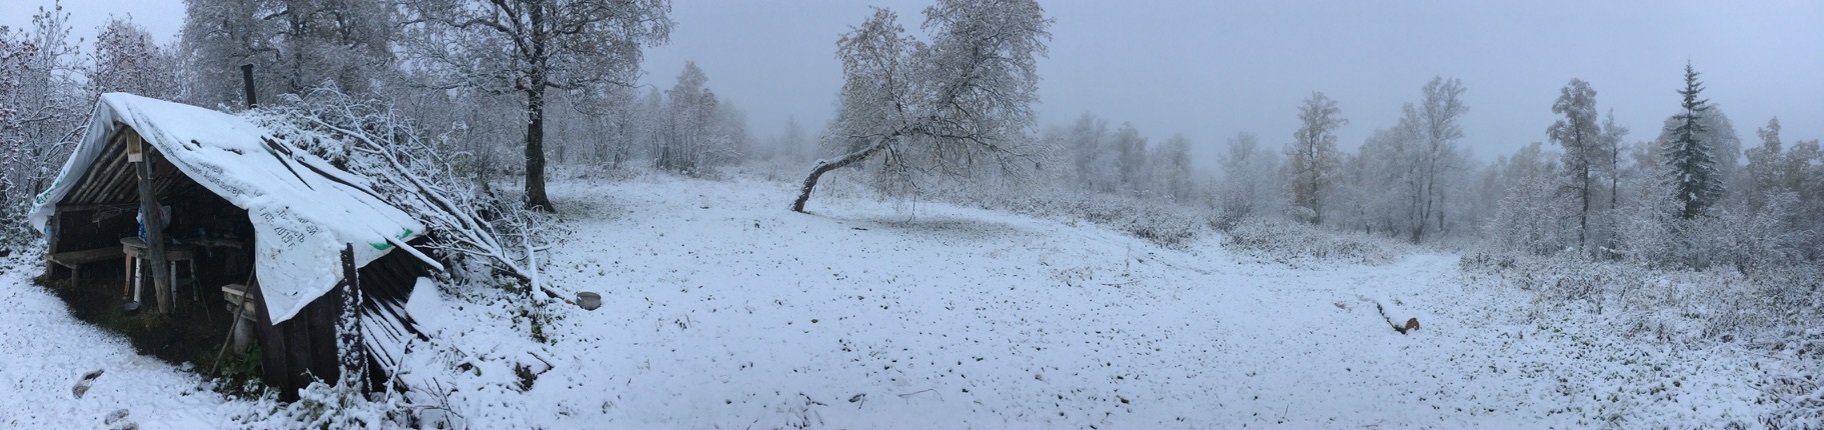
(210, 245)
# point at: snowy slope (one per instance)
(723, 310)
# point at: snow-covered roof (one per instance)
(301, 217)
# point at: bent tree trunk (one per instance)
(825, 166)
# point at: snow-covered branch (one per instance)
(407, 169)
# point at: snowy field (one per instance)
(723, 310)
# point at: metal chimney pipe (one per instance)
(247, 84)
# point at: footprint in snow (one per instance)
(82, 387)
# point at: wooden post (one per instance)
(50, 267)
(247, 85)
(154, 223)
(353, 359)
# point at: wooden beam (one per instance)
(154, 224)
(352, 360)
(95, 207)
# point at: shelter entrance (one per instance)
(99, 249)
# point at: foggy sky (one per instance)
(1211, 69)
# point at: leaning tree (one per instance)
(943, 105)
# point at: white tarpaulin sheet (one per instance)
(301, 219)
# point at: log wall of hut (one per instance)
(294, 351)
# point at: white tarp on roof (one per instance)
(301, 219)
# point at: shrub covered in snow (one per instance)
(1735, 238)
(1532, 218)
(1163, 223)
(329, 406)
(1775, 313)
(1288, 242)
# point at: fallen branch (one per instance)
(914, 393)
(1411, 324)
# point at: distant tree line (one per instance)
(1690, 197)
(514, 85)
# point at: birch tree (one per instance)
(1774, 169)
(1583, 141)
(1384, 182)
(1090, 153)
(940, 106)
(1171, 164)
(1312, 157)
(1612, 135)
(690, 135)
(529, 47)
(1434, 124)
(1248, 177)
(1130, 158)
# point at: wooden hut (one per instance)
(244, 213)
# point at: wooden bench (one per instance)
(75, 259)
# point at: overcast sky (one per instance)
(1210, 69)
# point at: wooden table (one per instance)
(136, 250)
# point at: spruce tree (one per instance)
(1696, 184)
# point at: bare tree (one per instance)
(1434, 124)
(295, 45)
(126, 59)
(690, 129)
(938, 106)
(531, 46)
(1383, 185)
(1172, 168)
(792, 143)
(1612, 134)
(1312, 157)
(1130, 158)
(1090, 153)
(1248, 173)
(1774, 169)
(41, 108)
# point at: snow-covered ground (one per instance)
(45, 354)
(723, 310)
